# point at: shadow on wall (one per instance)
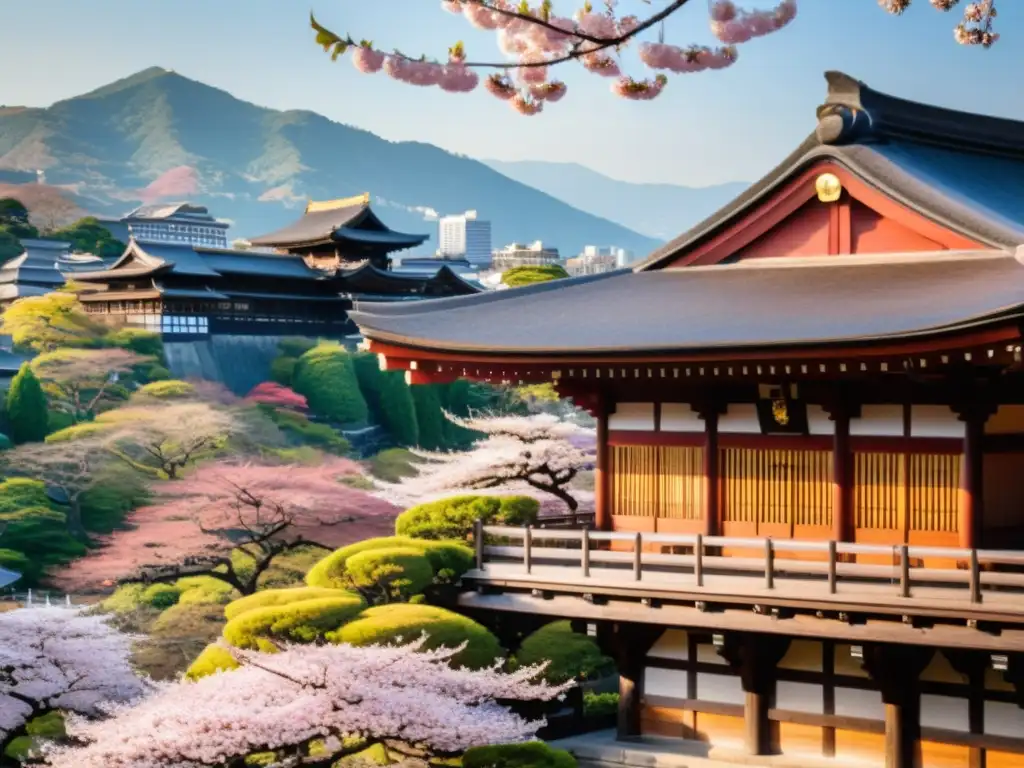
(237, 361)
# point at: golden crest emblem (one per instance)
(780, 412)
(828, 187)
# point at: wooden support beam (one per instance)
(842, 476)
(972, 487)
(897, 670)
(628, 644)
(709, 412)
(756, 658)
(603, 470)
(973, 665)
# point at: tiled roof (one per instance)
(312, 228)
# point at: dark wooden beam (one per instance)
(603, 470)
(756, 657)
(897, 670)
(628, 644)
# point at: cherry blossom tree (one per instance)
(262, 511)
(402, 695)
(535, 39)
(79, 380)
(170, 437)
(60, 659)
(543, 451)
(277, 396)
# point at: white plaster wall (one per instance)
(679, 417)
(1003, 719)
(800, 697)
(944, 712)
(740, 418)
(854, 702)
(666, 682)
(878, 421)
(935, 421)
(818, 422)
(633, 416)
(673, 644)
(722, 689)
(1009, 419)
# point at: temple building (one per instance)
(172, 223)
(336, 253)
(810, 406)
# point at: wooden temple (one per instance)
(337, 253)
(810, 407)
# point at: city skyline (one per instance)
(747, 116)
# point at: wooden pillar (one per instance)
(709, 411)
(756, 658)
(602, 472)
(972, 491)
(897, 669)
(628, 644)
(842, 472)
(972, 665)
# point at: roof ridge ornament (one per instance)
(317, 206)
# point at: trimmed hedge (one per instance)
(402, 622)
(450, 557)
(139, 341)
(295, 346)
(172, 388)
(388, 398)
(532, 754)
(518, 276)
(397, 573)
(326, 376)
(429, 417)
(268, 598)
(27, 416)
(282, 370)
(161, 596)
(214, 658)
(304, 621)
(572, 656)
(305, 432)
(453, 518)
(455, 398)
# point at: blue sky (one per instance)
(705, 129)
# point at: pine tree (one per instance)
(429, 416)
(26, 407)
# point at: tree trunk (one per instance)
(556, 490)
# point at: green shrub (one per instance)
(390, 574)
(429, 417)
(532, 754)
(79, 431)
(370, 377)
(304, 621)
(35, 527)
(394, 465)
(326, 377)
(139, 341)
(282, 370)
(126, 598)
(116, 491)
(58, 420)
(170, 389)
(453, 518)
(152, 372)
(572, 655)
(48, 727)
(600, 704)
(14, 561)
(26, 407)
(403, 622)
(203, 590)
(398, 410)
(518, 276)
(303, 431)
(295, 346)
(448, 557)
(268, 598)
(161, 596)
(5, 442)
(455, 398)
(214, 658)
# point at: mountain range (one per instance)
(661, 211)
(157, 136)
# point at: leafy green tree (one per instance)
(454, 517)
(14, 218)
(326, 377)
(532, 754)
(572, 655)
(398, 409)
(10, 246)
(519, 276)
(429, 416)
(26, 407)
(87, 235)
(44, 323)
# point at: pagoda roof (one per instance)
(368, 279)
(35, 271)
(794, 302)
(334, 221)
(961, 170)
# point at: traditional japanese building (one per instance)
(340, 234)
(306, 287)
(811, 441)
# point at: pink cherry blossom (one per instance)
(639, 90)
(600, 64)
(500, 86)
(458, 78)
(284, 701)
(452, 6)
(61, 659)
(524, 105)
(367, 60)
(552, 91)
(532, 75)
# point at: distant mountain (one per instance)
(159, 136)
(661, 211)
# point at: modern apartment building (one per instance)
(465, 236)
(519, 255)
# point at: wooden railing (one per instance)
(571, 520)
(580, 554)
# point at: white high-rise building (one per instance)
(465, 236)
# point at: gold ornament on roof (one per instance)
(316, 206)
(780, 411)
(828, 187)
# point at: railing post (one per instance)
(637, 552)
(478, 542)
(528, 548)
(769, 564)
(904, 570)
(585, 554)
(698, 559)
(832, 566)
(975, 577)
